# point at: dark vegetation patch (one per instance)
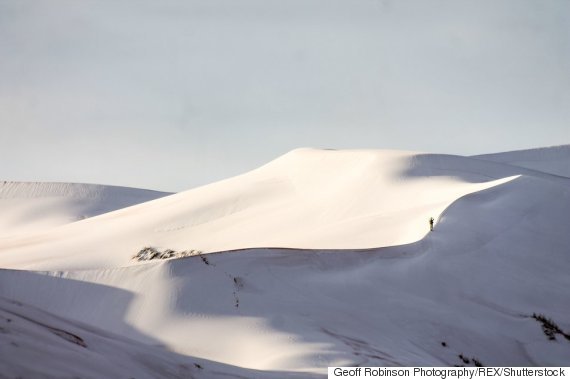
(464, 359)
(477, 363)
(150, 253)
(467, 361)
(205, 260)
(549, 327)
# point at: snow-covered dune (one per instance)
(37, 344)
(553, 160)
(27, 207)
(463, 294)
(314, 199)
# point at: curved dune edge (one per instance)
(554, 160)
(274, 311)
(147, 298)
(307, 199)
(474, 284)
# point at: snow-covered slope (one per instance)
(27, 207)
(498, 255)
(37, 344)
(553, 160)
(316, 199)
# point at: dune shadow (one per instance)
(90, 303)
(469, 169)
(466, 226)
(102, 309)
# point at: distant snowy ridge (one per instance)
(27, 207)
(553, 160)
(28, 190)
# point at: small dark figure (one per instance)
(431, 220)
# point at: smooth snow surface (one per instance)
(311, 199)
(27, 207)
(299, 293)
(553, 160)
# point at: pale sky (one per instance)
(170, 95)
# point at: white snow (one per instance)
(27, 207)
(553, 160)
(332, 263)
(29, 336)
(314, 199)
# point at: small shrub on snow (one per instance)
(477, 362)
(205, 260)
(151, 253)
(549, 327)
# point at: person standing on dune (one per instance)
(431, 220)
